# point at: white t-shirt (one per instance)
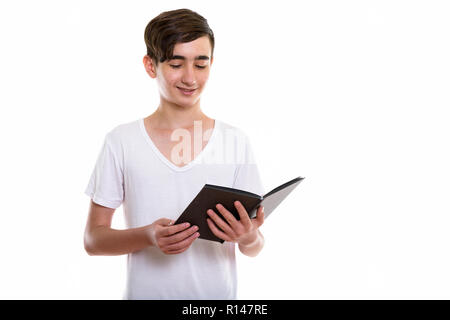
(130, 170)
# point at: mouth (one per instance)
(186, 91)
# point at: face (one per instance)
(182, 79)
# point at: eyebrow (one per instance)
(184, 58)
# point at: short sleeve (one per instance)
(247, 175)
(105, 186)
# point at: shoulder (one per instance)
(236, 142)
(123, 132)
(229, 130)
(121, 136)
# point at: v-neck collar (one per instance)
(167, 161)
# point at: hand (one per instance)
(172, 239)
(243, 231)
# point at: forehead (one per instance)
(198, 49)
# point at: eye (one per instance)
(176, 66)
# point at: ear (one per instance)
(212, 59)
(149, 66)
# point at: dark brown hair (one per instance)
(171, 27)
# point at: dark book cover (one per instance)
(210, 195)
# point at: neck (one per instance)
(172, 116)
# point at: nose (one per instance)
(189, 77)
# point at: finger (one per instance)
(220, 223)
(182, 244)
(228, 216)
(245, 219)
(176, 251)
(219, 234)
(259, 217)
(168, 231)
(179, 236)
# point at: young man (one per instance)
(140, 167)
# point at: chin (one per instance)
(184, 103)
(188, 101)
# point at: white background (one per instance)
(352, 95)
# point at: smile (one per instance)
(187, 92)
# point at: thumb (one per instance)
(260, 216)
(164, 222)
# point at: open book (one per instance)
(210, 195)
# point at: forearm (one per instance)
(103, 240)
(253, 248)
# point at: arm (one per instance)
(244, 232)
(101, 239)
